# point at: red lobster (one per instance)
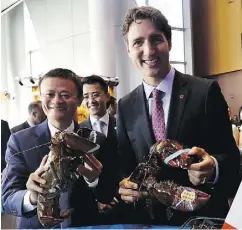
(167, 192)
(67, 152)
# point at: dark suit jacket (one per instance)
(198, 118)
(108, 180)
(20, 127)
(5, 134)
(19, 168)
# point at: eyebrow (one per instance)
(137, 39)
(91, 92)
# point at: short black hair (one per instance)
(65, 74)
(34, 105)
(112, 101)
(95, 79)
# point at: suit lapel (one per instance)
(143, 121)
(43, 139)
(111, 127)
(178, 101)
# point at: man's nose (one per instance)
(149, 48)
(90, 100)
(57, 98)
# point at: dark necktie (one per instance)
(158, 118)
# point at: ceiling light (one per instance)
(20, 82)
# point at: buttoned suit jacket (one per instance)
(108, 155)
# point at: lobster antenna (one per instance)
(17, 153)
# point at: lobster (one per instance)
(167, 192)
(67, 152)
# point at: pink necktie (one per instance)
(158, 118)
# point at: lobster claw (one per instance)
(50, 221)
(91, 173)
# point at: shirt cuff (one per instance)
(27, 206)
(217, 170)
(91, 184)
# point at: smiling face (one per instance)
(95, 100)
(149, 51)
(59, 101)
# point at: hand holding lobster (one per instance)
(129, 191)
(203, 171)
(35, 183)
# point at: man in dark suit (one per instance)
(36, 116)
(26, 156)
(95, 97)
(5, 134)
(191, 110)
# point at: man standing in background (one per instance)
(95, 98)
(36, 116)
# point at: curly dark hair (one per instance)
(146, 12)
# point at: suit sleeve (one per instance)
(221, 142)
(5, 134)
(14, 180)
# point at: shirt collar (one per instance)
(30, 123)
(104, 119)
(165, 85)
(54, 130)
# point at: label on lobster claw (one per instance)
(188, 196)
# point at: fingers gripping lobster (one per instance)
(67, 152)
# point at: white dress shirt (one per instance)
(166, 87)
(104, 119)
(30, 123)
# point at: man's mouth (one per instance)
(151, 62)
(57, 108)
(93, 106)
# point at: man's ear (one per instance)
(108, 96)
(34, 114)
(170, 46)
(127, 47)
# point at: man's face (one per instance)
(95, 99)
(39, 115)
(148, 49)
(59, 99)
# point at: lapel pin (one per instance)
(181, 96)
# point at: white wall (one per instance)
(63, 32)
(62, 29)
(13, 63)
